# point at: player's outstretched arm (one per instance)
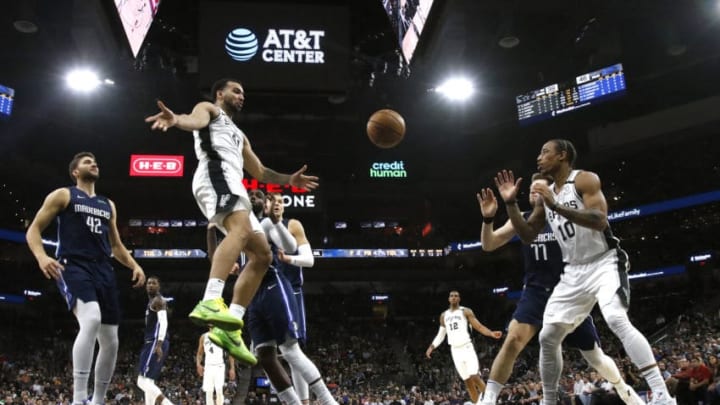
(121, 253)
(478, 326)
(199, 118)
(253, 166)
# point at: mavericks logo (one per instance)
(280, 45)
(394, 169)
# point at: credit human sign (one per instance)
(394, 169)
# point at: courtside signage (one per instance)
(157, 165)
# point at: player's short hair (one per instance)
(455, 291)
(272, 196)
(76, 161)
(219, 85)
(563, 145)
(541, 176)
(153, 277)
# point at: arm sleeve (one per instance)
(163, 321)
(283, 238)
(439, 338)
(304, 258)
(279, 235)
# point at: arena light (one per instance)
(456, 89)
(82, 80)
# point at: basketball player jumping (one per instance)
(596, 271)
(543, 266)
(88, 239)
(455, 322)
(223, 151)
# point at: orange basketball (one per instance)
(386, 128)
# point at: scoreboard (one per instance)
(559, 98)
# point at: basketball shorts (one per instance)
(465, 359)
(150, 364)
(219, 191)
(530, 310)
(300, 302)
(273, 313)
(581, 286)
(90, 280)
(214, 378)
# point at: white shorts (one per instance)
(214, 378)
(583, 285)
(220, 194)
(465, 359)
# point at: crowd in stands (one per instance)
(373, 360)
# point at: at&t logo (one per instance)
(241, 44)
(280, 45)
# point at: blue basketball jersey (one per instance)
(543, 260)
(83, 227)
(292, 273)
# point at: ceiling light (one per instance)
(456, 89)
(82, 80)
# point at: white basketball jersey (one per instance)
(456, 326)
(222, 141)
(213, 353)
(579, 244)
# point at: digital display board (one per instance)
(559, 98)
(376, 253)
(408, 18)
(274, 46)
(360, 253)
(136, 17)
(169, 254)
(7, 96)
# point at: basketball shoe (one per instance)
(214, 312)
(233, 343)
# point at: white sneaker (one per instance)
(630, 397)
(662, 398)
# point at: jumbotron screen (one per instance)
(559, 98)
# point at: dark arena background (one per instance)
(633, 84)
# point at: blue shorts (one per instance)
(300, 301)
(530, 310)
(273, 312)
(150, 365)
(91, 280)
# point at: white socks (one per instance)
(214, 289)
(88, 316)
(289, 397)
(237, 310)
(105, 362)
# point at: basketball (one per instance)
(386, 128)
